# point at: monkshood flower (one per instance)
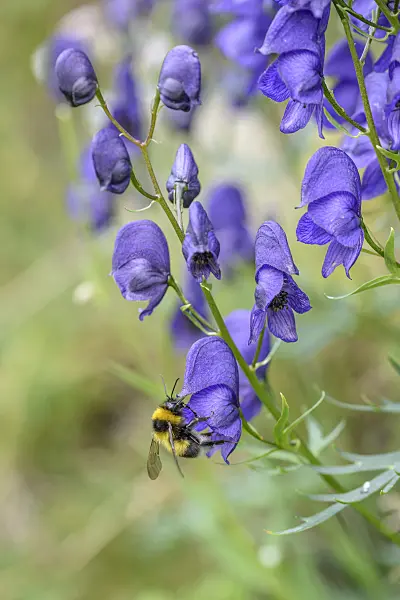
(227, 213)
(183, 331)
(212, 380)
(121, 12)
(393, 98)
(140, 263)
(179, 82)
(201, 246)
(184, 175)
(238, 40)
(76, 77)
(56, 45)
(360, 149)
(331, 190)
(276, 295)
(126, 108)
(339, 64)
(111, 161)
(238, 326)
(191, 21)
(316, 7)
(298, 38)
(239, 8)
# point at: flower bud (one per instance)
(180, 79)
(76, 77)
(111, 161)
(184, 171)
(200, 246)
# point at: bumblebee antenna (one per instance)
(173, 389)
(165, 387)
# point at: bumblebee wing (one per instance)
(171, 441)
(154, 464)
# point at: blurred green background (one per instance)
(79, 518)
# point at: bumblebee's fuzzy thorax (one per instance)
(162, 416)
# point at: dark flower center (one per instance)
(279, 302)
(202, 259)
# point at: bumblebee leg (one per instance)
(194, 422)
(211, 443)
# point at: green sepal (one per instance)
(390, 258)
(279, 429)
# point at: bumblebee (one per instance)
(171, 430)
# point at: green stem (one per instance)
(396, 7)
(340, 111)
(373, 135)
(349, 10)
(258, 349)
(153, 119)
(136, 183)
(369, 239)
(390, 17)
(190, 309)
(123, 131)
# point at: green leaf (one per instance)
(385, 407)
(310, 522)
(362, 462)
(391, 484)
(390, 258)
(137, 381)
(316, 439)
(395, 156)
(360, 493)
(281, 423)
(395, 364)
(340, 127)
(370, 285)
(304, 415)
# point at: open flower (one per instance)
(184, 173)
(140, 263)
(179, 82)
(76, 77)
(111, 161)
(332, 191)
(276, 295)
(212, 380)
(238, 326)
(200, 246)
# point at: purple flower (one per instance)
(226, 210)
(76, 77)
(276, 295)
(179, 82)
(316, 7)
(238, 40)
(238, 326)
(183, 331)
(191, 21)
(56, 45)
(239, 8)
(184, 174)
(200, 246)
(122, 12)
(126, 108)
(140, 263)
(212, 379)
(331, 189)
(111, 161)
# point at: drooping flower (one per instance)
(238, 40)
(111, 161)
(227, 213)
(76, 77)
(179, 82)
(126, 109)
(316, 7)
(183, 331)
(238, 326)
(184, 174)
(141, 264)
(212, 380)
(276, 295)
(331, 190)
(191, 22)
(201, 246)
(54, 47)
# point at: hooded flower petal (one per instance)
(317, 7)
(269, 285)
(76, 77)
(338, 214)
(289, 31)
(373, 181)
(184, 171)
(341, 255)
(301, 72)
(282, 325)
(296, 116)
(180, 79)
(308, 232)
(111, 161)
(328, 171)
(140, 263)
(271, 85)
(200, 246)
(238, 326)
(272, 249)
(210, 362)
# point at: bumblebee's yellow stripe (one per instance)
(180, 445)
(166, 415)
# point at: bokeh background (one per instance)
(80, 375)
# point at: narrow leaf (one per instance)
(310, 522)
(395, 364)
(137, 381)
(390, 258)
(386, 407)
(281, 423)
(390, 485)
(369, 285)
(386, 459)
(304, 415)
(360, 493)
